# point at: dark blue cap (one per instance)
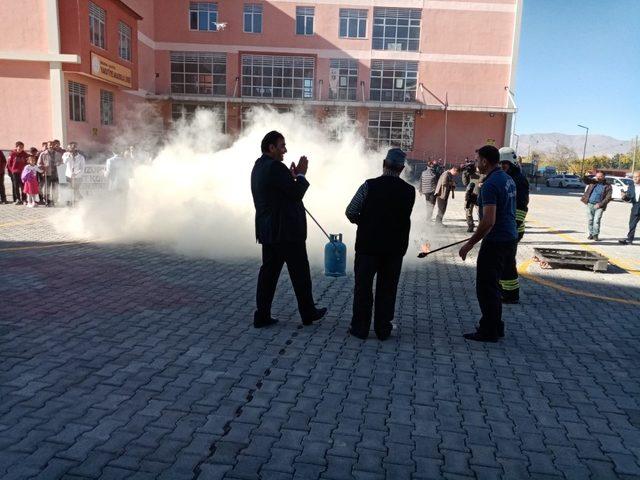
(395, 157)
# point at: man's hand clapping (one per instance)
(301, 168)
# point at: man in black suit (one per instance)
(382, 210)
(632, 195)
(281, 229)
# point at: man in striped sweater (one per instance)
(428, 182)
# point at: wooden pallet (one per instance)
(566, 258)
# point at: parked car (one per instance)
(565, 181)
(618, 186)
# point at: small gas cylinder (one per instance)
(335, 257)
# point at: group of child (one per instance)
(34, 173)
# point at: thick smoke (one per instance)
(194, 194)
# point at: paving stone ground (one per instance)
(129, 361)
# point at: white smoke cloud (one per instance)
(195, 197)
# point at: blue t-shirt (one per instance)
(597, 193)
(499, 189)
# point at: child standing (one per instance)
(30, 180)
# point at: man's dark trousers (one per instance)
(3, 193)
(274, 256)
(16, 184)
(386, 269)
(633, 223)
(492, 260)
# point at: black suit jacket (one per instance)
(630, 196)
(277, 196)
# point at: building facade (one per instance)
(434, 77)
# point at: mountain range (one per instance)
(548, 142)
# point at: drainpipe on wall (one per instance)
(56, 75)
(362, 88)
(235, 87)
(510, 127)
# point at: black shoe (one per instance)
(17, 202)
(501, 330)
(361, 337)
(624, 242)
(480, 337)
(595, 238)
(470, 229)
(264, 323)
(590, 237)
(317, 315)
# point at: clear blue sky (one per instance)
(579, 63)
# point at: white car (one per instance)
(618, 186)
(565, 181)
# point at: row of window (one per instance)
(274, 76)
(385, 128)
(98, 28)
(393, 28)
(78, 104)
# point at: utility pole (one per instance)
(635, 152)
(584, 152)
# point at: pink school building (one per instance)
(435, 77)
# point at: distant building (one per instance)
(71, 69)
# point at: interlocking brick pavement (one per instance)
(129, 361)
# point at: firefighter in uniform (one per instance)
(509, 284)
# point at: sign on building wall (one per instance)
(110, 71)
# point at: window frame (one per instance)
(77, 96)
(394, 70)
(253, 13)
(349, 14)
(213, 12)
(297, 75)
(348, 70)
(107, 113)
(186, 111)
(389, 19)
(125, 34)
(95, 12)
(303, 12)
(390, 121)
(198, 66)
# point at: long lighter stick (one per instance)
(424, 254)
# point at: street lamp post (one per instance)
(584, 152)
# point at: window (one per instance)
(203, 16)
(97, 21)
(304, 20)
(252, 18)
(188, 110)
(77, 101)
(106, 107)
(334, 121)
(343, 79)
(199, 73)
(391, 129)
(353, 23)
(125, 41)
(396, 29)
(393, 80)
(277, 76)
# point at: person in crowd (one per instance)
(632, 195)
(471, 180)
(74, 162)
(281, 229)
(36, 153)
(509, 282)
(499, 236)
(15, 164)
(57, 147)
(29, 179)
(118, 170)
(3, 167)
(596, 197)
(428, 182)
(446, 185)
(48, 162)
(382, 210)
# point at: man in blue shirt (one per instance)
(498, 232)
(596, 197)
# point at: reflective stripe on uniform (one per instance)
(520, 215)
(510, 285)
